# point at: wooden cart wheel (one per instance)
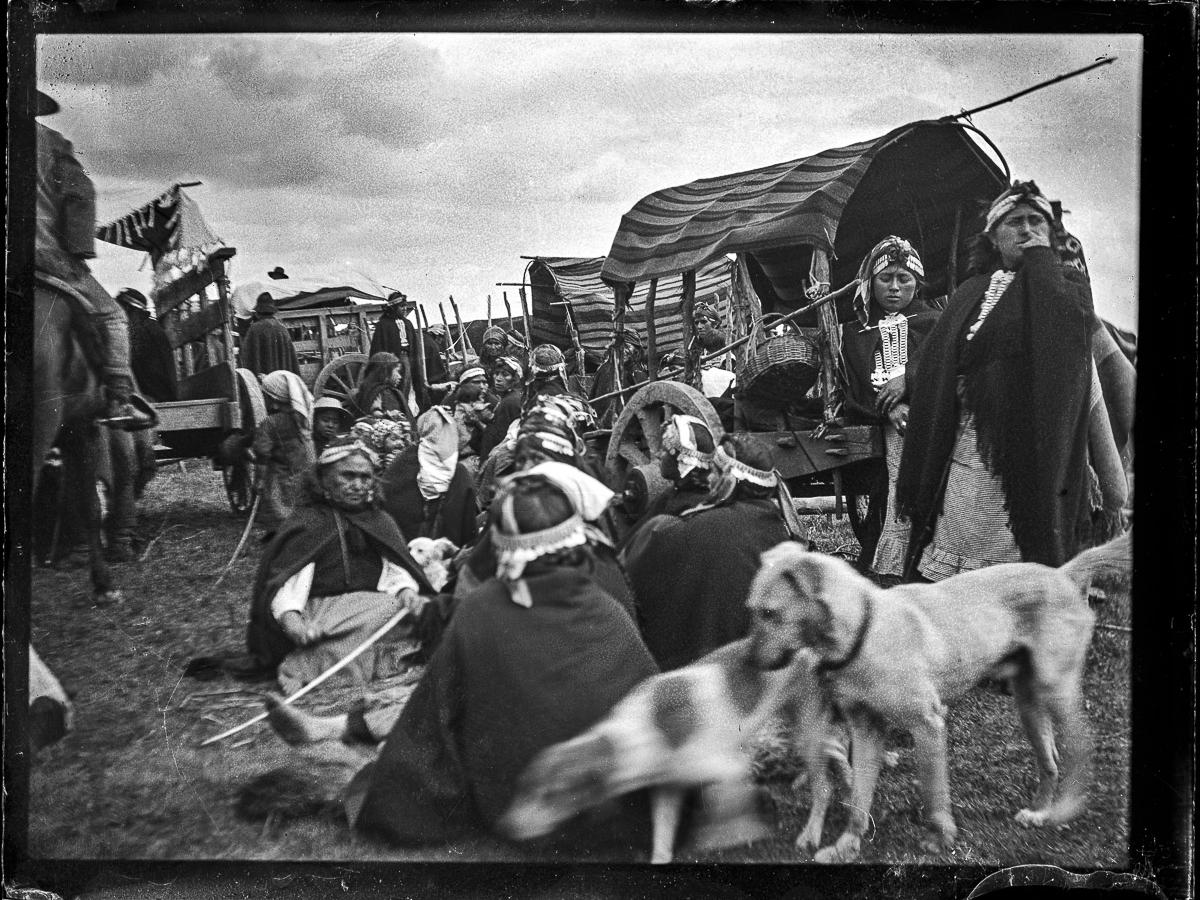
(341, 378)
(235, 464)
(636, 441)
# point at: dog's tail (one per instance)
(1109, 566)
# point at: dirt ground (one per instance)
(132, 782)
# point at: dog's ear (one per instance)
(446, 547)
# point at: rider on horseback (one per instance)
(66, 230)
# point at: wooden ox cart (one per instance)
(793, 230)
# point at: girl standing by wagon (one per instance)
(283, 447)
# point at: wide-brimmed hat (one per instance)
(134, 299)
(332, 403)
(277, 273)
(46, 105)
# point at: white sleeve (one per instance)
(394, 579)
(293, 596)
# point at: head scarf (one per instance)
(730, 472)
(547, 359)
(397, 298)
(510, 363)
(679, 439)
(495, 331)
(706, 311)
(471, 372)
(339, 449)
(514, 550)
(286, 387)
(889, 251)
(1021, 192)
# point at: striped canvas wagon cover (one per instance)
(911, 181)
(555, 279)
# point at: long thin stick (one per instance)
(1103, 61)
(508, 310)
(320, 679)
(245, 536)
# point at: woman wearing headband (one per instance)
(507, 377)
(283, 447)
(534, 656)
(880, 348)
(995, 465)
(335, 571)
(691, 574)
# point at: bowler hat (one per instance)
(277, 273)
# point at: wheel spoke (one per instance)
(651, 420)
(633, 454)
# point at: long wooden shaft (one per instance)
(462, 329)
(525, 317)
(320, 679)
(651, 332)
(508, 311)
(489, 311)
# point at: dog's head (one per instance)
(562, 781)
(795, 600)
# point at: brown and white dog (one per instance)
(898, 656)
(433, 556)
(679, 730)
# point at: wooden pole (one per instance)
(489, 311)
(691, 352)
(621, 296)
(507, 311)
(525, 318)
(419, 349)
(952, 262)
(462, 330)
(651, 332)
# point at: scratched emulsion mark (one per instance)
(1017, 879)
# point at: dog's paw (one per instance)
(809, 839)
(1031, 818)
(845, 850)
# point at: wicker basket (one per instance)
(780, 369)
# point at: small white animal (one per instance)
(433, 556)
(683, 729)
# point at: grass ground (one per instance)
(131, 781)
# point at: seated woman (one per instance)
(534, 656)
(1003, 420)
(383, 393)
(427, 491)
(337, 569)
(881, 349)
(691, 575)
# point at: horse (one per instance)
(67, 399)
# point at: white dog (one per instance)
(434, 558)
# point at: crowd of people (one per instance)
(1006, 417)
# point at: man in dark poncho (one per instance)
(691, 575)
(395, 334)
(533, 657)
(267, 346)
(150, 351)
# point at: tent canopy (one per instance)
(912, 181)
(577, 280)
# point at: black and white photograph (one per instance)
(480, 443)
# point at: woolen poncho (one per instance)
(1027, 374)
(311, 535)
(691, 576)
(505, 683)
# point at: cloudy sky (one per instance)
(433, 162)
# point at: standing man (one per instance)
(267, 346)
(150, 349)
(395, 334)
(65, 240)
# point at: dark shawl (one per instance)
(403, 501)
(505, 683)
(858, 352)
(267, 347)
(691, 576)
(311, 534)
(506, 412)
(388, 339)
(152, 359)
(672, 502)
(1027, 376)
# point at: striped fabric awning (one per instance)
(171, 221)
(911, 181)
(555, 279)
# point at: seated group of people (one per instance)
(547, 621)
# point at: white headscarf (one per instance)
(286, 387)
(437, 451)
